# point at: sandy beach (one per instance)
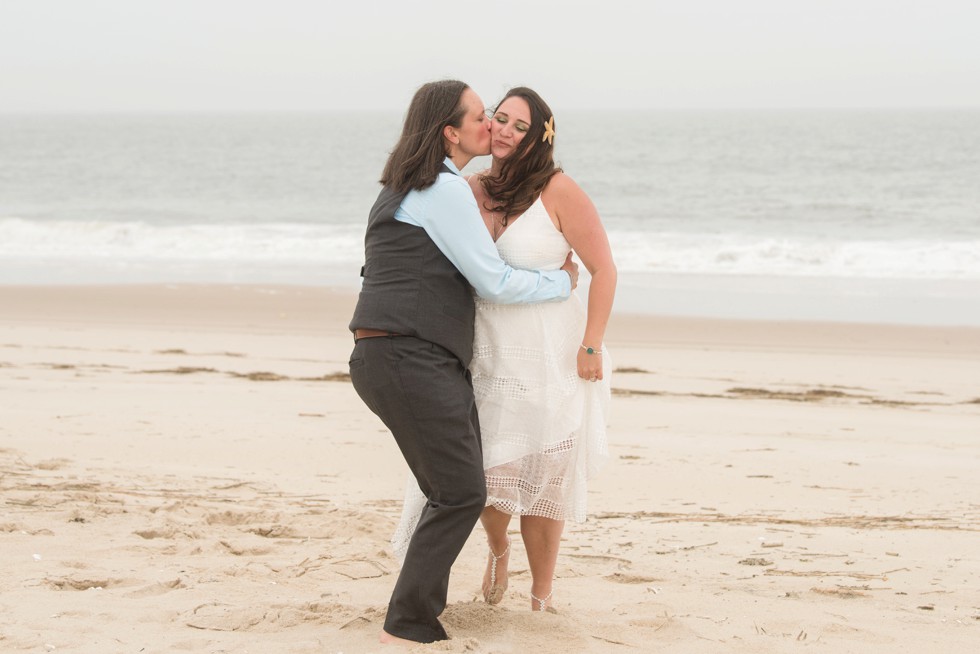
(187, 468)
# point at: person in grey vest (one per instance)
(426, 251)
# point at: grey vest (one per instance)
(410, 287)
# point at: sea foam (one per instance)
(299, 244)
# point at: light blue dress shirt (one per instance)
(447, 211)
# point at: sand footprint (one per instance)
(89, 583)
(217, 616)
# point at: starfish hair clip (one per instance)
(549, 131)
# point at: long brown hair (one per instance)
(524, 174)
(415, 161)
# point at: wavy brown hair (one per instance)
(524, 174)
(415, 161)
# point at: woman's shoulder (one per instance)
(561, 187)
(473, 179)
(474, 182)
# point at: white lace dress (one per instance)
(543, 427)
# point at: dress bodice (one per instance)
(532, 242)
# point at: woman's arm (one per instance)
(448, 212)
(580, 223)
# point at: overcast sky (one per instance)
(315, 55)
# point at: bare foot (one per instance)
(388, 639)
(495, 577)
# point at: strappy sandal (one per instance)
(495, 593)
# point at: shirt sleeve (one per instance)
(452, 220)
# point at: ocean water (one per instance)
(834, 215)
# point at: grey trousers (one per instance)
(424, 395)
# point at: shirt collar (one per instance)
(452, 166)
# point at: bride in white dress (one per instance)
(540, 372)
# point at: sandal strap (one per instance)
(542, 602)
(493, 563)
(497, 557)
